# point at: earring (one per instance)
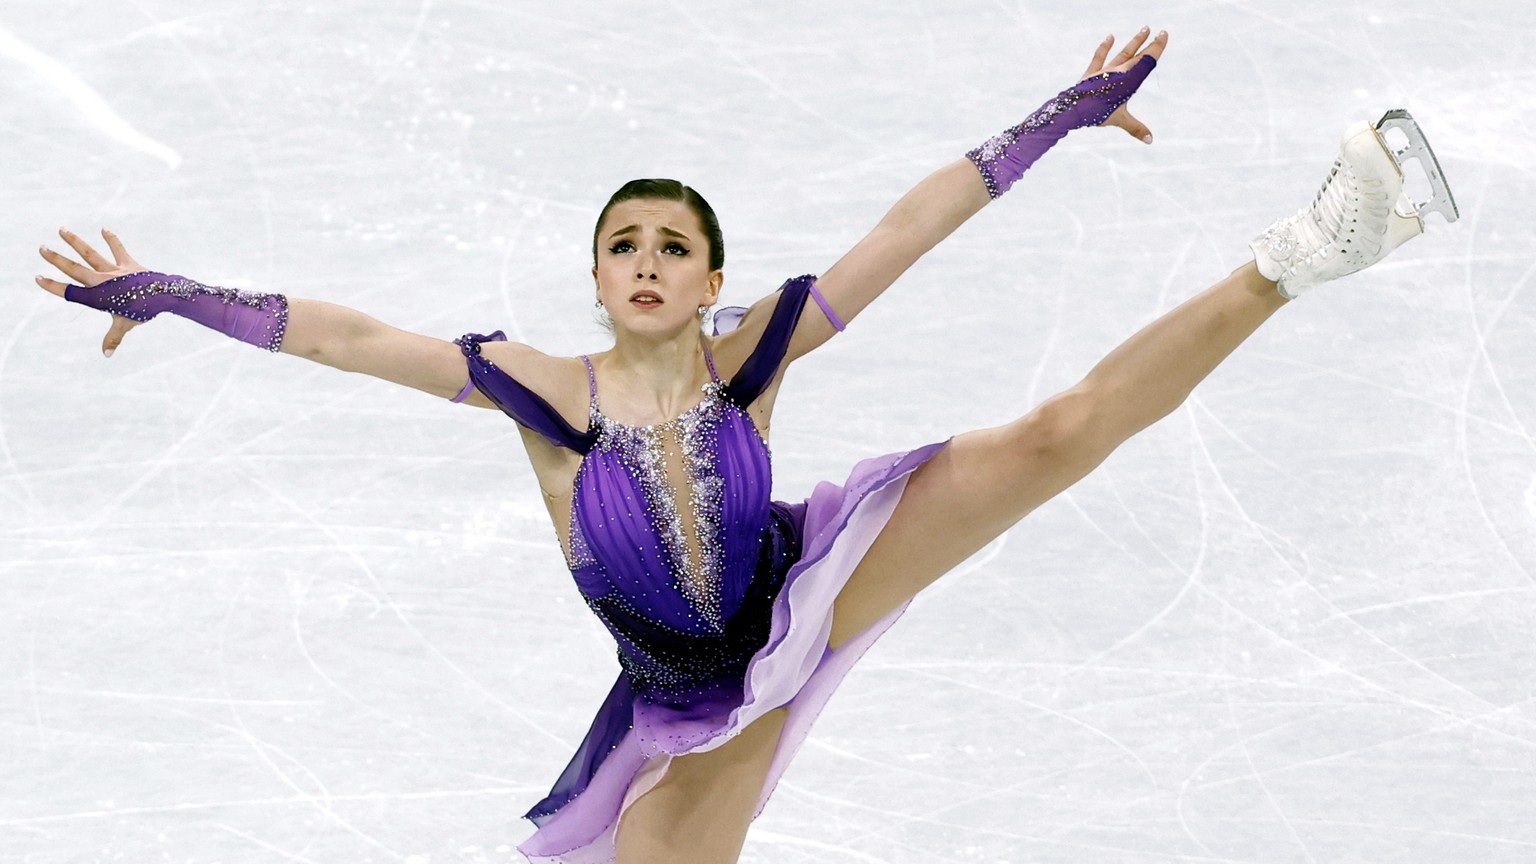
(598, 303)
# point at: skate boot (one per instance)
(1361, 213)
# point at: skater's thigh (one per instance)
(699, 812)
(973, 490)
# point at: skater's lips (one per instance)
(652, 295)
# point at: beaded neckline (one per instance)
(713, 391)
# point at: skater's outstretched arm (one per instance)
(944, 200)
(323, 332)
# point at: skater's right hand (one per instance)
(1129, 56)
(98, 271)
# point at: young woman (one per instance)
(737, 616)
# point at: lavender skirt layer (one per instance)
(794, 668)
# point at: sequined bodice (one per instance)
(654, 510)
(673, 540)
(668, 524)
(656, 495)
(664, 460)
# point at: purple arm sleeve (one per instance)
(1005, 156)
(728, 318)
(763, 363)
(517, 401)
(258, 319)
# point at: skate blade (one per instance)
(1440, 199)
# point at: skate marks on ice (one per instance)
(261, 611)
(93, 107)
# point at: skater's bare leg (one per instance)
(989, 479)
(1154, 371)
(700, 811)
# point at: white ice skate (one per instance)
(1361, 213)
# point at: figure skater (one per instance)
(736, 616)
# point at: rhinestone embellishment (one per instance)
(644, 448)
(1004, 157)
(1280, 241)
(258, 319)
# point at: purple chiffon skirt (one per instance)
(795, 668)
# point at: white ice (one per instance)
(256, 610)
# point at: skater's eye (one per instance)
(675, 249)
(621, 247)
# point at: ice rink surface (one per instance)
(257, 610)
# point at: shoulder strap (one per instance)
(518, 402)
(591, 379)
(709, 360)
(754, 376)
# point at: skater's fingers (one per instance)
(1127, 121)
(52, 287)
(91, 256)
(1133, 52)
(1096, 65)
(1132, 47)
(114, 338)
(84, 275)
(120, 252)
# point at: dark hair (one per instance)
(669, 190)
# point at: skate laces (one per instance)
(1324, 219)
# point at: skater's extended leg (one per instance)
(989, 479)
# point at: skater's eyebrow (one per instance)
(632, 228)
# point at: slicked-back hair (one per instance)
(668, 190)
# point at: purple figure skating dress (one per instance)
(720, 599)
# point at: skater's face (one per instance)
(652, 268)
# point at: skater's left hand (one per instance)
(96, 270)
(1128, 56)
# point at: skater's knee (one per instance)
(1062, 430)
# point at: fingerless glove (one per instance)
(259, 319)
(1005, 157)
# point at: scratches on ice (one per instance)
(91, 104)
